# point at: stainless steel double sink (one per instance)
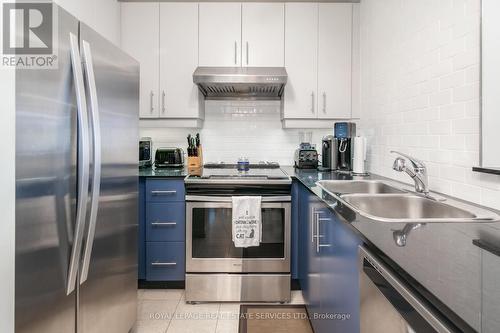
(384, 201)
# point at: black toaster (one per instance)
(169, 158)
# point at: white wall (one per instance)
(491, 80)
(420, 91)
(7, 195)
(234, 129)
(101, 15)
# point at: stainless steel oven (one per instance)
(216, 270)
(209, 245)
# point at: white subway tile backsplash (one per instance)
(452, 111)
(441, 98)
(440, 127)
(465, 126)
(234, 129)
(454, 173)
(465, 93)
(452, 80)
(465, 59)
(434, 45)
(452, 142)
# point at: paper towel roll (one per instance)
(359, 155)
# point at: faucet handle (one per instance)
(417, 164)
(399, 164)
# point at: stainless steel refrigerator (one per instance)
(77, 187)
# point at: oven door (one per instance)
(209, 245)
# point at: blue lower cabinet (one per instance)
(165, 221)
(162, 229)
(295, 231)
(141, 237)
(164, 190)
(339, 275)
(328, 264)
(165, 261)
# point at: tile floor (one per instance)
(165, 311)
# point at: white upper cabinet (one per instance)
(140, 38)
(220, 34)
(301, 60)
(318, 52)
(334, 60)
(178, 60)
(262, 34)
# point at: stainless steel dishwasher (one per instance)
(388, 305)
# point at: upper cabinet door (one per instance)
(220, 34)
(301, 60)
(334, 60)
(178, 60)
(140, 38)
(262, 34)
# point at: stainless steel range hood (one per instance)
(266, 83)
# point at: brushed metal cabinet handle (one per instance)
(151, 95)
(247, 53)
(312, 102)
(163, 264)
(317, 236)
(159, 192)
(163, 94)
(235, 52)
(324, 102)
(163, 223)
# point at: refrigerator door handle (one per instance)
(96, 165)
(83, 164)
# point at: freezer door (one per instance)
(108, 273)
(46, 191)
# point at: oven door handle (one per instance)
(201, 198)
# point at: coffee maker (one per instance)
(344, 134)
(329, 155)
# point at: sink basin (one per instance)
(407, 208)
(357, 186)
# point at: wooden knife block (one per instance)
(195, 162)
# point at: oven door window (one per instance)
(212, 234)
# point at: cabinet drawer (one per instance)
(165, 221)
(165, 261)
(158, 190)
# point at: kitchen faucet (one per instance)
(418, 173)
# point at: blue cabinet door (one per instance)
(141, 255)
(339, 275)
(316, 291)
(165, 221)
(165, 261)
(163, 190)
(328, 271)
(309, 259)
(295, 231)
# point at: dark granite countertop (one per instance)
(164, 173)
(441, 257)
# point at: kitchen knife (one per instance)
(193, 145)
(189, 145)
